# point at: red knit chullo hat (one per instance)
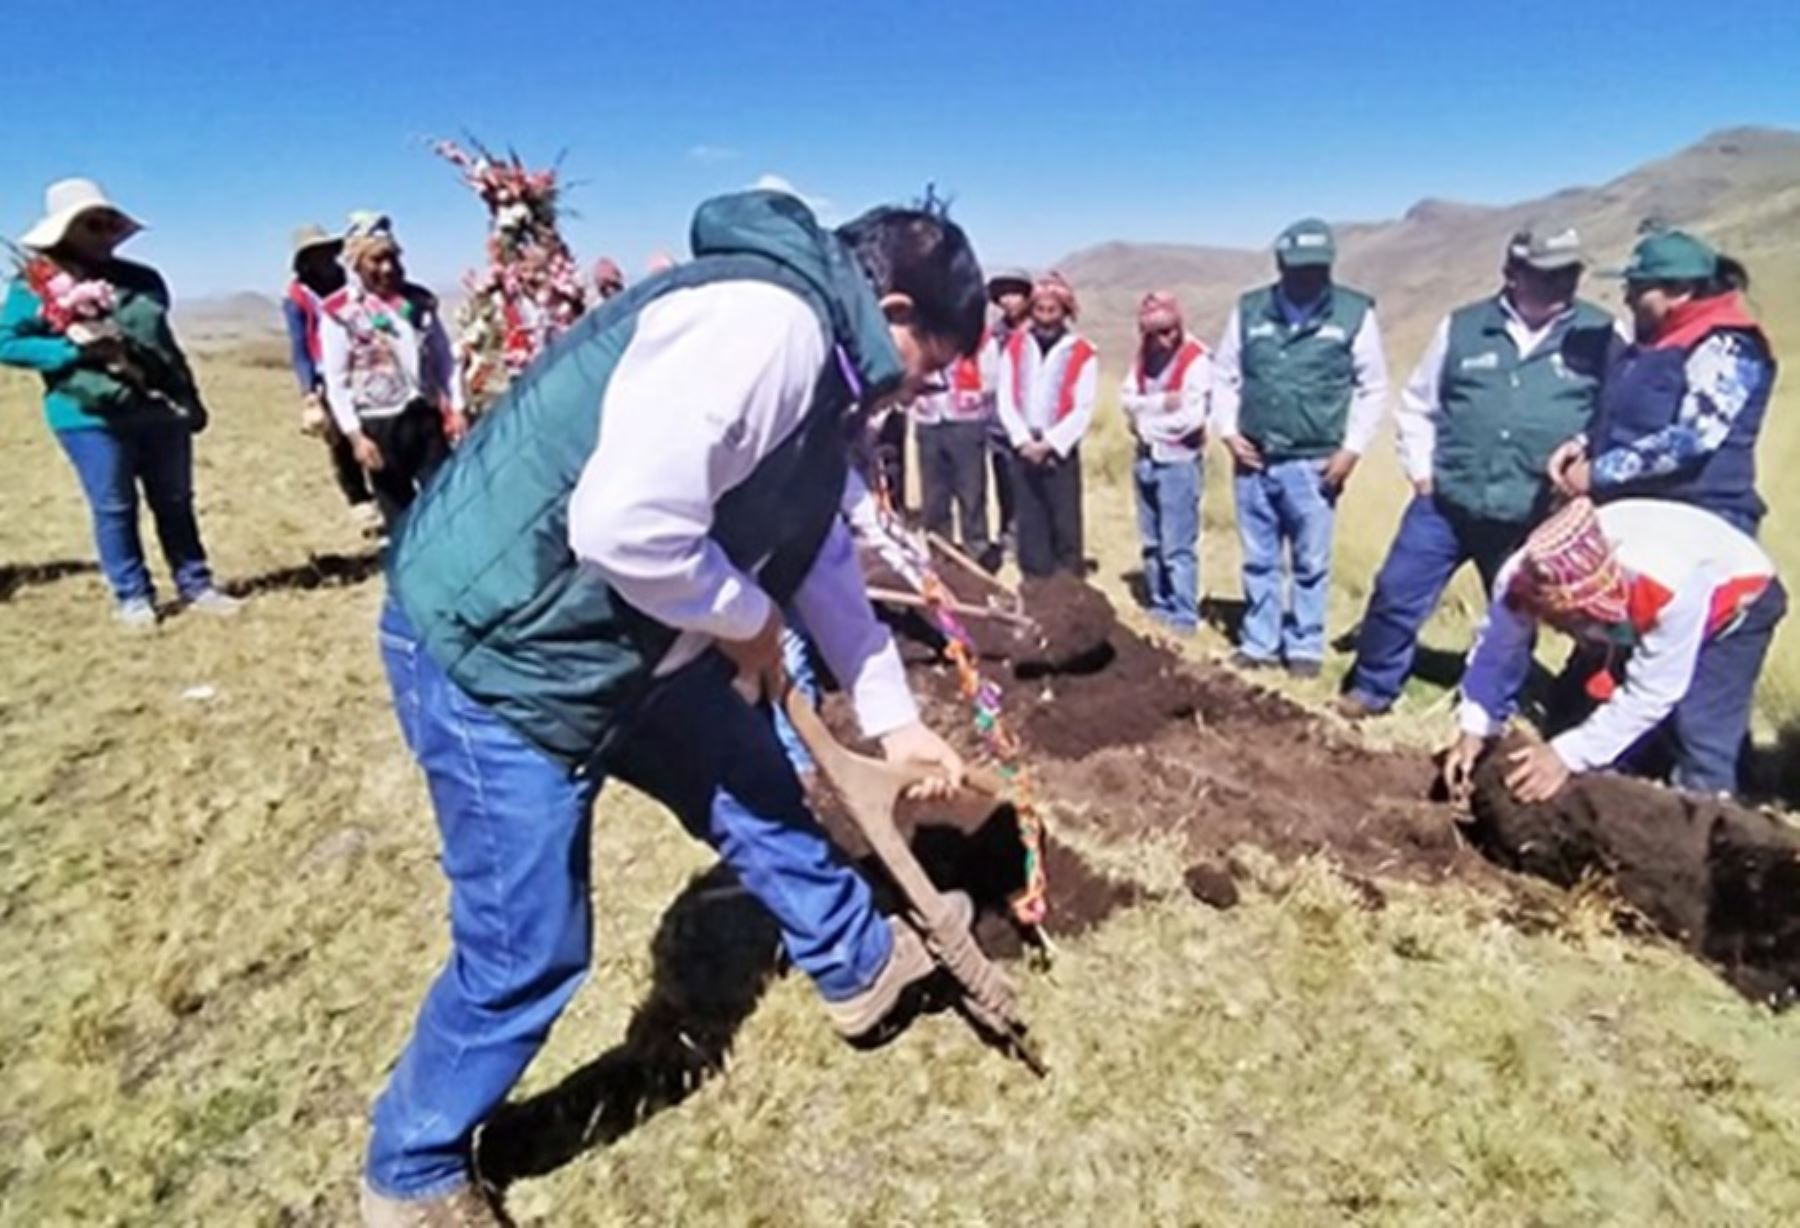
(1570, 568)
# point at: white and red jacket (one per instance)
(1173, 433)
(1048, 396)
(968, 394)
(1692, 576)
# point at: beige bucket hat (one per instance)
(64, 201)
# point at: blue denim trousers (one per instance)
(1433, 542)
(1283, 510)
(111, 464)
(514, 828)
(1168, 516)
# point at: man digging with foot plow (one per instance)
(578, 593)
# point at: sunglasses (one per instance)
(1172, 331)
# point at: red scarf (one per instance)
(1688, 323)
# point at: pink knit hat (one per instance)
(1055, 287)
(1159, 310)
(1571, 568)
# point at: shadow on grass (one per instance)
(1223, 614)
(714, 954)
(15, 576)
(1772, 773)
(319, 571)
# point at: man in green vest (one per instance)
(592, 586)
(1504, 381)
(1300, 385)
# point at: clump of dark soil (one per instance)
(1132, 739)
(1212, 885)
(1721, 879)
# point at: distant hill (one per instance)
(1739, 188)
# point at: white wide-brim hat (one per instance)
(64, 201)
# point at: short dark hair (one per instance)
(926, 257)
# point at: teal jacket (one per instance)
(79, 395)
(481, 565)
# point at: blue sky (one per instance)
(1054, 124)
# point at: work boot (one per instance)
(859, 1019)
(464, 1207)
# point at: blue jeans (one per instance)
(111, 464)
(1433, 543)
(1283, 509)
(514, 828)
(1168, 515)
(1711, 722)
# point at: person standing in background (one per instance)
(1504, 382)
(319, 274)
(1010, 293)
(1301, 384)
(1165, 400)
(389, 373)
(1048, 374)
(951, 425)
(118, 393)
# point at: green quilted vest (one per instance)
(1298, 381)
(1501, 416)
(482, 566)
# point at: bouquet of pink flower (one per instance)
(79, 309)
(531, 289)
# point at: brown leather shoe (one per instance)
(464, 1207)
(858, 1018)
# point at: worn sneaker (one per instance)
(212, 601)
(1244, 660)
(465, 1207)
(859, 1018)
(1304, 668)
(136, 614)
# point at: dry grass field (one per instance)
(219, 906)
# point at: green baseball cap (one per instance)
(1307, 242)
(1546, 248)
(1670, 255)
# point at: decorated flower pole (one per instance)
(530, 289)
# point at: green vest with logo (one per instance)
(481, 564)
(1298, 380)
(1502, 415)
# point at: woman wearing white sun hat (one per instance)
(117, 390)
